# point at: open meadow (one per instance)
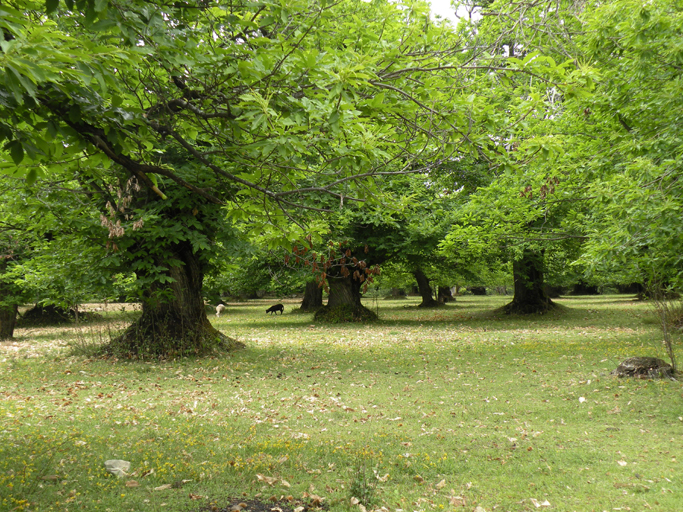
(425, 410)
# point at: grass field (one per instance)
(448, 409)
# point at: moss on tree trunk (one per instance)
(344, 302)
(173, 320)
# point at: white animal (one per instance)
(219, 308)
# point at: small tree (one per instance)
(668, 306)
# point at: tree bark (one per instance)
(8, 320)
(530, 296)
(313, 297)
(344, 302)
(445, 295)
(8, 310)
(632, 288)
(174, 320)
(425, 289)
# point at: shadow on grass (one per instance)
(459, 314)
(595, 300)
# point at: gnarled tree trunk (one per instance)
(313, 297)
(344, 302)
(445, 295)
(530, 296)
(174, 320)
(425, 289)
(8, 319)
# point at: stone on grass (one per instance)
(644, 368)
(117, 468)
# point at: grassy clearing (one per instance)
(426, 410)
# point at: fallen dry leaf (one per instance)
(163, 487)
(132, 483)
(354, 501)
(441, 484)
(316, 500)
(458, 501)
(195, 496)
(418, 479)
(285, 483)
(267, 479)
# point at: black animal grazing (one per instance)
(274, 309)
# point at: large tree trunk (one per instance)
(344, 302)
(8, 310)
(174, 320)
(530, 296)
(445, 295)
(633, 288)
(313, 297)
(425, 289)
(8, 319)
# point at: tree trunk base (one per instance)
(344, 313)
(307, 310)
(445, 295)
(47, 315)
(313, 298)
(149, 338)
(528, 308)
(431, 303)
(8, 320)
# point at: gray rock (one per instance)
(117, 468)
(644, 368)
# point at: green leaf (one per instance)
(16, 150)
(31, 176)
(51, 6)
(5, 132)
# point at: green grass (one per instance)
(444, 409)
